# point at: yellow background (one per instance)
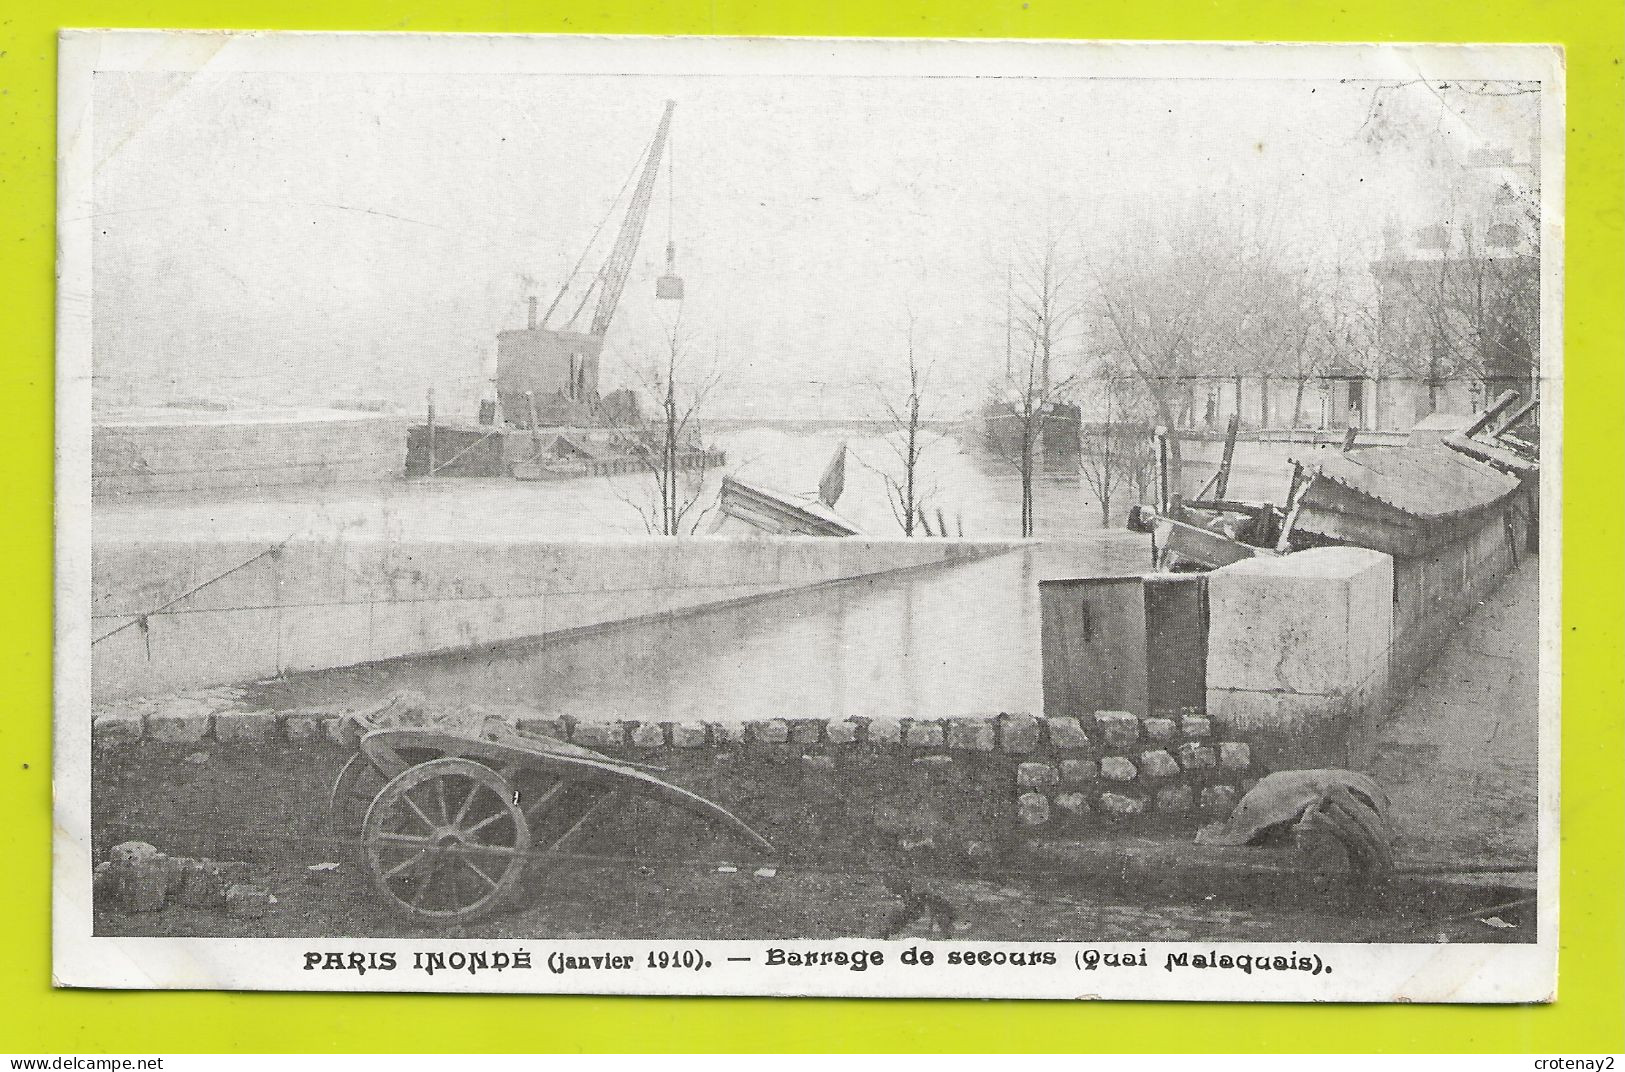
(1586, 1018)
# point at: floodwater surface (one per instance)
(922, 643)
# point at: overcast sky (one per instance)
(330, 235)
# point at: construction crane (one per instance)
(548, 375)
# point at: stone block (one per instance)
(1158, 729)
(1065, 734)
(116, 726)
(175, 868)
(1234, 756)
(1196, 726)
(769, 731)
(204, 882)
(1117, 769)
(933, 761)
(104, 880)
(688, 735)
(248, 902)
(1218, 799)
(1175, 799)
(597, 734)
(1288, 731)
(141, 884)
(884, 731)
(302, 728)
(1072, 804)
(840, 731)
(1119, 804)
(806, 732)
(1032, 809)
(246, 726)
(726, 733)
(924, 735)
(536, 725)
(1311, 623)
(1079, 771)
(1018, 733)
(648, 735)
(178, 728)
(972, 734)
(818, 763)
(1037, 776)
(1194, 756)
(1118, 729)
(1157, 763)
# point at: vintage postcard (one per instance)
(808, 517)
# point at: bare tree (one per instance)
(1472, 309)
(1019, 407)
(908, 439)
(1464, 299)
(1188, 300)
(1115, 451)
(1045, 301)
(668, 447)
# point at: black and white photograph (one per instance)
(808, 517)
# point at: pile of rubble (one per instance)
(137, 878)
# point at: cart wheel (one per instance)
(353, 790)
(445, 841)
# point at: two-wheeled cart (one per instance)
(447, 820)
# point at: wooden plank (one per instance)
(1176, 642)
(1199, 545)
(1092, 639)
(1511, 419)
(1493, 411)
(1294, 499)
(1222, 477)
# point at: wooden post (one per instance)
(1221, 486)
(430, 434)
(1159, 440)
(1294, 496)
(1348, 437)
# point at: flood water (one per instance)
(926, 643)
(979, 495)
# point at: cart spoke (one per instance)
(462, 810)
(485, 822)
(423, 888)
(489, 881)
(406, 863)
(440, 799)
(410, 803)
(404, 838)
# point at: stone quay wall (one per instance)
(174, 614)
(178, 450)
(1308, 653)
(1434, 593)
(974, 788)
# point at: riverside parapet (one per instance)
(818, 787)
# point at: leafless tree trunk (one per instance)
(907, 490)
(668, 449)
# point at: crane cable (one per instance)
(637, 165)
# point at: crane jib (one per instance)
(619, 265)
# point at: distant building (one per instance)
(1457, 322)
(1459, 297)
